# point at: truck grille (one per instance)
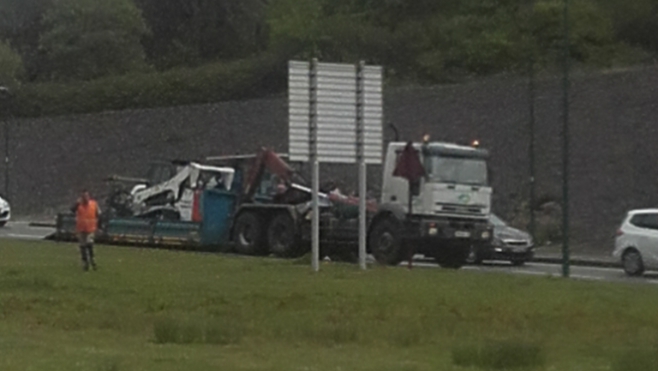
(459, 209)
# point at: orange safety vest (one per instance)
(86, 217)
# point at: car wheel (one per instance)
(517, 262)
(2, 224)
(632, 263)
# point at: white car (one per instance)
(5, 212)
(637, 241)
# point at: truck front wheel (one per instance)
(248, 234)
(453, 257)
(386, 243)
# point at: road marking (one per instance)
(583, 277)
(532, 272)
(25, 236)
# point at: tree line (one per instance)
(63, 41)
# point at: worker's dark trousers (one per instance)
(87, 250)
(87, 253)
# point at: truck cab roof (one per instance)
(446, 149)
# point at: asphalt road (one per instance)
(23, 230)
(555, 270)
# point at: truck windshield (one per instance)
(459, 170)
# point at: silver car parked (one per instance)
(508, 243)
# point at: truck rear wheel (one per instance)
(385, 242)
(248, 234)
(282, 237)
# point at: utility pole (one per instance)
(531, 147)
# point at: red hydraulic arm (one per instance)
(266, 159)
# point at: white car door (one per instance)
(649, 241)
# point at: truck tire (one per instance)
(454, 257)
(385, 242)
(282, 238)
(473, 256)
(248, 234)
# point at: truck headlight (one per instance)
(486, 235)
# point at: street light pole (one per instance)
(531, 147)
(5, 96)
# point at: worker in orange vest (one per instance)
(87, 213)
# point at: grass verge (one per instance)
(159, 310)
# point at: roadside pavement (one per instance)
(577, 256)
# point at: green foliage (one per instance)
(210, 83)
(592, 34)
(86, 39)
(635, 22)
(471, 44)
(11, 66)
(190, 32)
(294, 25)
(426, 41)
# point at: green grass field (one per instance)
(162, 310)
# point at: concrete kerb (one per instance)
(579, 261)
(42, 225)
(574, 260)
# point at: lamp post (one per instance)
(5, 97)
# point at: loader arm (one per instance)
(173, 185)
(268, 160)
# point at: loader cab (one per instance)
(160, 172)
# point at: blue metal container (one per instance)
(218, 207)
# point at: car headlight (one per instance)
(486, 235)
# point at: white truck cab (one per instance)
(450, 205)
(456, 182)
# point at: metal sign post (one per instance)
(361, 159)
(335, 115)
(313, 140)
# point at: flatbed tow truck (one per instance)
(266, 210)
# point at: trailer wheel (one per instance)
(248, 234)
(386, 243)
(282, 237)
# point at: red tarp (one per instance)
(409, 165)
